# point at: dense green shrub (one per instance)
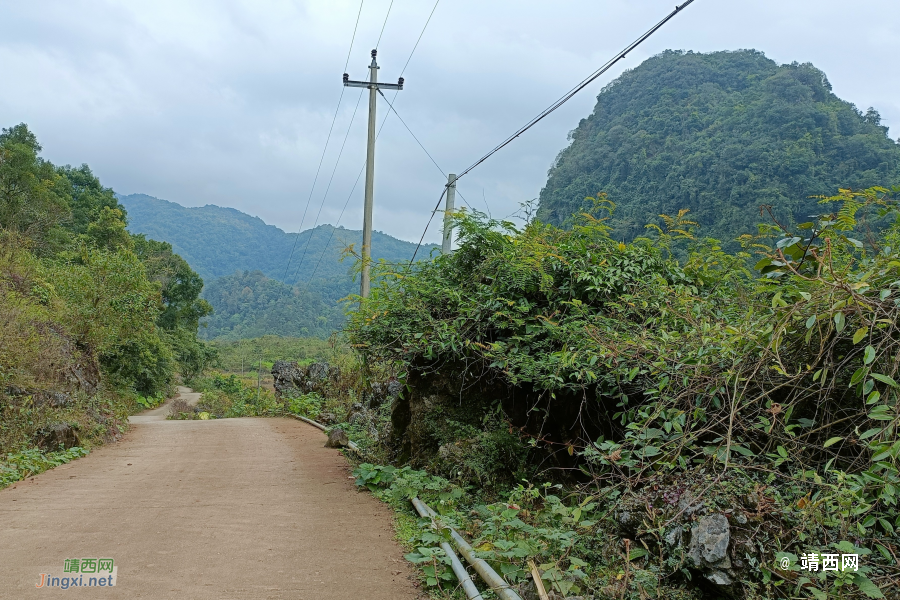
(690, 377)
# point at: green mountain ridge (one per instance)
(243, 263)
(218, 241)
(720, 134)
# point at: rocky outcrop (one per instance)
(292, 380)
(57, 436)
(337, 438)
(708, 550)
(382, 393)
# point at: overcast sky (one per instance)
(229, 102)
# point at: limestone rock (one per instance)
(337, 439)
(327, 418)
(709, 541)
(53, 399)
(708, 551)
(58, 435)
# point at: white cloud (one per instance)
(229, 101)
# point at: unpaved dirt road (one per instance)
(195, 510)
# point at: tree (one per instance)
(33, 196)
(89, 199)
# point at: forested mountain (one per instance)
(218, 241)
(250, 305)
(719, 134)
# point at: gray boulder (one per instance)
(708, 550)
(58, 435)
(337, 439)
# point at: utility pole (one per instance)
(448, 209)
(373, 87)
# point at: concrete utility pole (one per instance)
(373, 86)
(448, 208)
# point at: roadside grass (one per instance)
(18, 466)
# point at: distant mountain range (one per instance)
(220, 242)
(217, 241)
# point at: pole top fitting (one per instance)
(374, 52)
(346, 77)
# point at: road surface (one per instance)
(221, 509)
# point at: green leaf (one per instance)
(866, 586)
(867, 434)
(881, 456)
(762, 264)
(839, 321)
(637, 553)
(817, 593)
(810, 322)
(832, 442)
(860, 334)
(742, 450)
(873, 397)
(885, 379)
(868, 355)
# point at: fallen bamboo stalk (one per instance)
(459, 570)
(488, 574)
(538, 582)
(350, 445)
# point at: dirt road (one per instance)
(194, 510)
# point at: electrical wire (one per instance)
(325, 149)
(420, 143)
(330, 180)
(565, 98)
(325, 247)
(337, 162)
(377, 135)
(353, 39)
(390, 6)
(590, 79)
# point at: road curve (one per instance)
(222, 509)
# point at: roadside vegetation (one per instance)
(95, 323)
(245, 356)
(598, 406)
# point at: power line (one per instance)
(421, 239)
(325, 149)
(390, 6)
(380, 128)
(606, 67)
(325, 247)
(330, 180)
(420, 143)
(338, 161)
(353, 39)
(565, 98)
